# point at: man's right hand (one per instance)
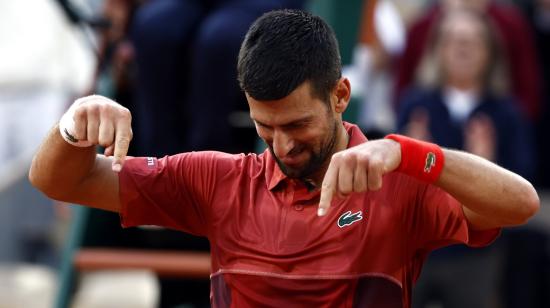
(72, 171)
(104, 122)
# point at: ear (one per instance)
(342, 93)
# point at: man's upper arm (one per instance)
(440, 220)
(100, 189)
(174, 191)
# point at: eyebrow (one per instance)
(291, 123)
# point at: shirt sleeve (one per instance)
(435, 219)
(174, 191)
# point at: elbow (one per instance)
(43, 183)
(34, 178)
(529, 205)
(533, 202)
(37, 180)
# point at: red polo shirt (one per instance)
(269, 248)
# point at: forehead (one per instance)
(463, 26)
(299, 104)
(478, 5)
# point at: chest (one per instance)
(281, 232)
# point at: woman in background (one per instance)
(460, 101)
(461, 98)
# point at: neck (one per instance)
(463, 85)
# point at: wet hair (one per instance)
(283, 49)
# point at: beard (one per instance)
(317, 159)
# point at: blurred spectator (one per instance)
(381, 39)
(186, 55)
(518, 46)
(115, 50)
(461, 102)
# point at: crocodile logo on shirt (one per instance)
(430, 162)
(348, 218)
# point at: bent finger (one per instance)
(359, 179)
(345, 178)
(374, 175)
(93, 125)
(80, 124)
(106, 133)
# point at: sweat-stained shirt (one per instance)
(268, 246)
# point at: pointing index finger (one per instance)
(122, 143)
(327, 189)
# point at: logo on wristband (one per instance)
(430, 162)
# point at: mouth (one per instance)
(295, 159)
(291, 162)
(295, 162)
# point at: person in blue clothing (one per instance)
(460, 101)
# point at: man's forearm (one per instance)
(496, 196)
(58, 167)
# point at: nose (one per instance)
(282, 144)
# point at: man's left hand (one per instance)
(358, 169)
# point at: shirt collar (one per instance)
(274, 175)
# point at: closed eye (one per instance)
(297, 124)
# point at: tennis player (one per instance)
(323, 217)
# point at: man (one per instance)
(320, 219)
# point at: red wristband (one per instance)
(419, 159)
